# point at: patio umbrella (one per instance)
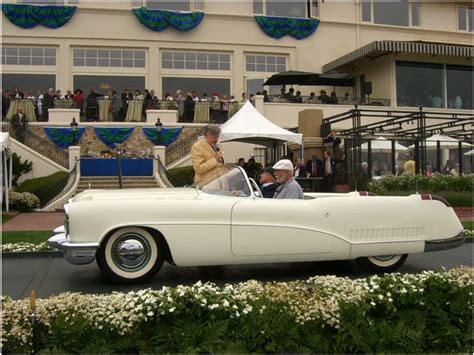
(444, 141)
(289, 77)
(313, 79)
(383, 145)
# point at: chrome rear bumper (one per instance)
(443, 244)
(75, 253)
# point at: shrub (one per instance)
(19, 168)
(45, 187)
(182, 176)
(23, 201)
(426, 312)
(435, 183)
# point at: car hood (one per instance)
(138, 194)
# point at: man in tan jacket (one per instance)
(206, 154)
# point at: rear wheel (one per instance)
(130, 255)
(381, 263)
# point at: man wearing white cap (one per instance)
(288, 188)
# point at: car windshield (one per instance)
(225, 181)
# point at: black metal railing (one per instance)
(327, 100)
(40, 145)
(182, 147)
(135, 110)
(58, 189)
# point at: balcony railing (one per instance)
(135, 110)
(317, 100)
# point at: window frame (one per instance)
(410, 14)
(98, 57)
(308, 9)
(192, 5)
(265, 56)
(220, 60)
(466, 18)
(44, 55)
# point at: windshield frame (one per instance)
(230, 167)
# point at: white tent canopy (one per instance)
(383, 145)
(4, 141)
(6, 168)
(471, 152)
(444, 141)
(250, 126)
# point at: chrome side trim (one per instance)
(74, 253)
(443, 244)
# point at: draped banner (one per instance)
(158, 20)
(64, 137)
(112, 136)
(167, 135)
(28, 16)
(278, 27)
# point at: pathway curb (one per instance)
(32, 254)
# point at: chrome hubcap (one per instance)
(131, 252)
(383, 257)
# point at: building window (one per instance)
(465, 18)
(28, 56)
(127, 58)
(29, 82)
(265, 63)
(200, 85)
(104, 83)
(420, 84)
(294, 8)
(181, 5)
(394, 13)
(459, 81)
(48, 2)
(195, 60)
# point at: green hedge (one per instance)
(183, 175)
(426, 312)
(435, 183)
(45, 187)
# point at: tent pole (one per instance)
(5, 182)
(302, 151)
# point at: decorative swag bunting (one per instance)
(167, 135)
(278, 27)
(64, 137)
(112, 136)
(158, 20)
(28, 16)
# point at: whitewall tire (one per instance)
(382, 263)
(130, 255)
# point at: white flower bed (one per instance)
(24, 247)
(317, 299)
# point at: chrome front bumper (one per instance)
(75, 253)
(443, 244)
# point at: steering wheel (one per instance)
(257, 191)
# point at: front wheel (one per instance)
(381, 263)
(130, 255)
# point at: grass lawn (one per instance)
(34, 237)
(468, 225)
(7, 216)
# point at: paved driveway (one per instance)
(53, 275)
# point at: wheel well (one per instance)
(155, 233)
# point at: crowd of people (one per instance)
(219, 105)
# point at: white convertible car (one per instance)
(225, 221)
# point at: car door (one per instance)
(280, 227)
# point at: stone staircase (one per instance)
(111, 182)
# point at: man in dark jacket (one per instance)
(329, 167)
(268, 184)
(314, 167)
(20, 124)
(48, 102)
